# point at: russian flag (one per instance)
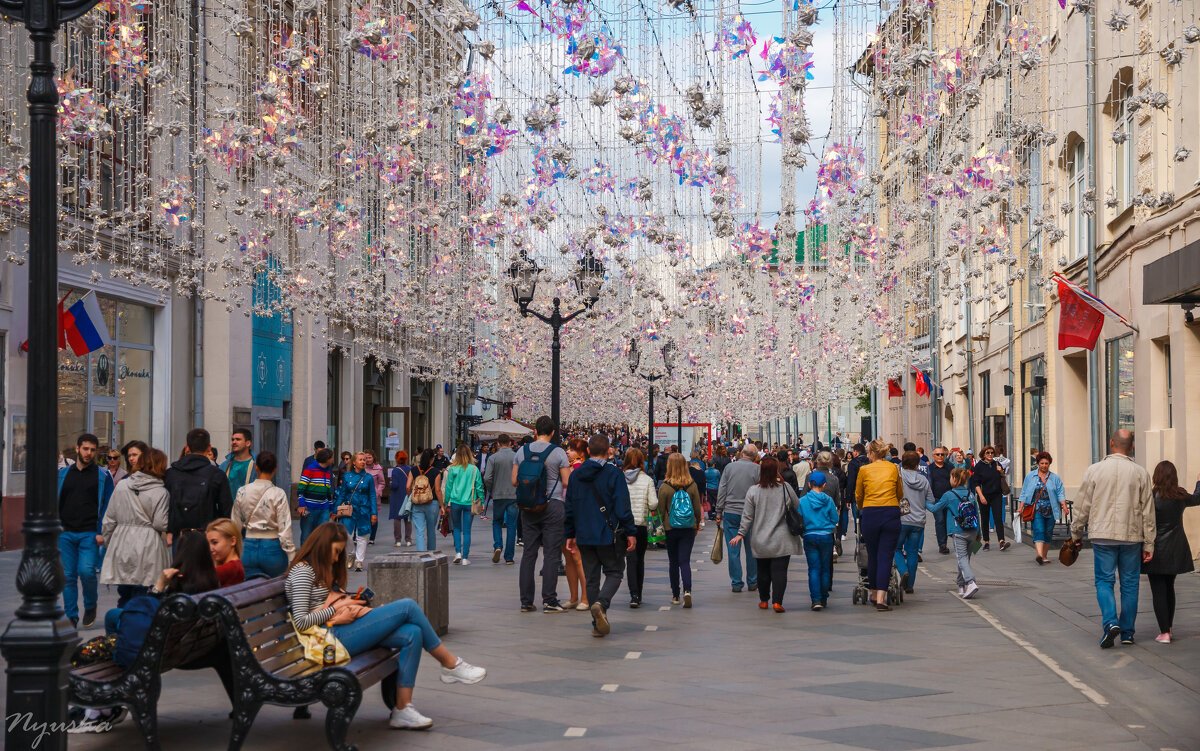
(82, 326)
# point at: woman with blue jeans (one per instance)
(264, 517)
(425, 514)
(462, 485)
(399, 508)
(1043, 490)
(358, 492)
(912, 525)
(316, 591)
(820, 522)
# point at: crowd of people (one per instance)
(591, 509)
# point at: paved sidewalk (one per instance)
(1013, 672)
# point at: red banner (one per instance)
(894, 388)
(1079, 324)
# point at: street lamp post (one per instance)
(635, 356)
(679, 413)
(589, 278)
(37, 642)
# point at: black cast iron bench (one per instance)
(177, 636)
(269, 665)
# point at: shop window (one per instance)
(1033, 388)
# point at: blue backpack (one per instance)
(531, 480)
(133, 627)
(682, 515)
(967, 515)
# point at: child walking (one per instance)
(962, 524)
(820, 520)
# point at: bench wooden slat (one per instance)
(252, 591)
(263, 607)
(274, 633)
(273, 651)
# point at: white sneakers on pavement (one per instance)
(463, 672)
(409, 719)
(970, 591)
(457, 557)
(465, 562)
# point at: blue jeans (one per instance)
(78, 553)
(1043, 528)
(939, 526)
(112, 621)
(818, 549)
(425, 522)
(730, 524)
(263, 558)
(1111, 560)
(907, 548)
(504, 514)
(314, 519)
(398, 625)
(460, 519)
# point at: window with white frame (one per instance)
(1123, 148)
(1076, 186)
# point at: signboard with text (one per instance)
(694, 434)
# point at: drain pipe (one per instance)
(1093, 359)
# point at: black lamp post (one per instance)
(679, 412)
(635, 357)
(589, 278)
(37, 642)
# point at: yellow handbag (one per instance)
(314, 641)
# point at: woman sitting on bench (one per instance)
(316, 584)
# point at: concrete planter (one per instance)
(422, 575)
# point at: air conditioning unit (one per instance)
(979, 331)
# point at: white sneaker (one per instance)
(463, 672)
(960, 591)
(465, 562)
(398, 544)
(970, 591)
(408, 543)
(457, 557)
(409, 719)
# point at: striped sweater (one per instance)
(305, 597)
(315, 489)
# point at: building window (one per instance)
(1118, 383)
(110, 391)
(333, 405)
(1076, 187)
(1033, 392)
(1123, 148)
(1034, 295)
(1170, 402)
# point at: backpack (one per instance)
(682, 514)
(193, 495)
(133, 627)
(531, 480)
(422, 490)
(966, 515)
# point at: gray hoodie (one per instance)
(917, 493)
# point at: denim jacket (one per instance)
(358, 490)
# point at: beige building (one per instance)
(1024, 106)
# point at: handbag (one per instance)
(1005, 488)
(476, 504)
(718, 548)
(444, 522)
(791, 514)
(315, 638)
(1069, 551)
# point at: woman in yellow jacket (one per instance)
(878, 493)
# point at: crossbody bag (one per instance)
(618, 544)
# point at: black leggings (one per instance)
(635, 565)
(1162, 587)
(772, 572)
(995, 510)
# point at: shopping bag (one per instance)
(718, 548)
(1017, 530)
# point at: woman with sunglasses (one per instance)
(986, 481)
(1043, 490)
(357, 495)
(316, 592)
(112, 462)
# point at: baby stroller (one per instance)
(862, 592)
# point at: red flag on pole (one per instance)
(1079, 323)
(894, 388)
(922, 382)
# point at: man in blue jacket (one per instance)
(83, 492)
(598, 516)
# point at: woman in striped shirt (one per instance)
(316, 592)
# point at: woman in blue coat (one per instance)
(1043, 490)
(358, 491)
